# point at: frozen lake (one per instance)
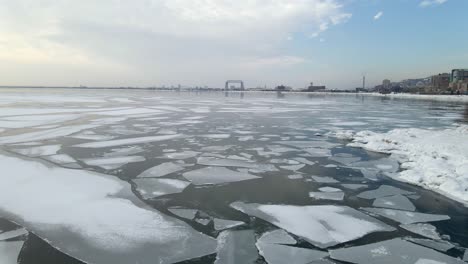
(118, 176)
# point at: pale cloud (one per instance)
(426, 3)
(276, 61)
(378, 15)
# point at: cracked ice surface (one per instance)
(322, 226)
(93, 217)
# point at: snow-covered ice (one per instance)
(151, 188)
(236, 247)
(322, 225)
(391, 252)
(13, 233)
(93, 217)
(278, 236)
(160, 170)
(394, 202)
(216, 175)
(9, 251)
(406, 217)
(422, 229)
(433, 159)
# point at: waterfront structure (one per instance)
(439, 83)
(226, 86)
(313, 88)
(459, 80)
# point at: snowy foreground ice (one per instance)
(433, 159)
(93, 217)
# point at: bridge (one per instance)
(242, 88)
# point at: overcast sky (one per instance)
(205, 42)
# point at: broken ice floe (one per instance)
(328, 193)
(323, 225)
(221, 224)
(9, 251)
(184, 213)
(278, 236)
(118, 227)
(236, 247)
(439, 245)
(394, 202)
(293, 167)
(280, 254)
(113, 162)
(213, 161)
(46, 150)
(422, 229)
(13, 233)
(324, 179)
(405, 217)
(160, 170)
(181, 155)
(151, 188)
(45, 134)
(344, 158)
(383, 191)
(216, 175)
(353, 186)
(392, 251)
(126, 141)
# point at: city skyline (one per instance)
(155, 43)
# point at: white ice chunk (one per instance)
(61, 159)
(295, 176)
(160, 170)
(353, 186)
(217, 148)
(405, 217)
(305, 161)
(236, 247)
(333, 196)
(221, 224)
(151, 188)
(13, 233)
(395, 202)
(216, 136)
(113, 162)
(309, 144)
(329, 189)
(324, 179)
(422, 229)
(344, 158)
(323, 225)
(184, 213)
(126, 141)
(293, 167)
(39, 151)
(124, 151)
(93, 217)
(181, 155)
(213, 161)
(318, 152)
(383, 191)
(439, 245)
(203, 221)
(392, 252)
(9, 251)
(216, 175)
(278, 236)
(280, 254)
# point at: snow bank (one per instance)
(433, 159)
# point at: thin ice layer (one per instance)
(126, 141)
(9, 251)
(221, 224)
(93, 217)
(422, 229)
(383, 191)
(322, 225)
(405, 217)
(236, 247)
(216, 175)
(151, 188)
(391, 252)
(160, 170)
(399, 202)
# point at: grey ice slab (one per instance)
(305, 161)
(293, 167)
(9, 251)
(391, 252)
(39, 151)
(236, 247)
(278, 236)
(439, 245)
(280, 254)
(384, 164)
(221, 224)
(324, 179)
(61, 159)
(151, 188)
(322, 225)
(160, 170)
(395, 202)
(383, 191)
(184, 213)
(422, 229)
(213, 161)
(344, 158)
(352, 186)
(216, 175)
(465, 257)
(318, 152)
(333, 196)
(203, 221)
(181, 155)
(113, 162)
(13, 233)
(405, 217)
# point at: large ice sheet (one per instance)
(280, 254)
(422, 229)
(322, 225)
(216, 175)
(278, 236)
(160, 170)
(405, 217)
(9, 251)
(395, 202)
(93, 217)
(113, 162)
(236, 247)
(45, 134)
(383, 191)
(392, 252)
(151, 188)
(39, 151)
(434, 159)
(126, 141)
(439, 245)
